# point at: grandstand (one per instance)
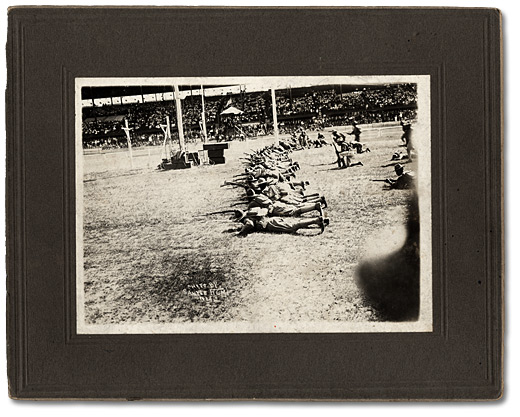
(313, 107)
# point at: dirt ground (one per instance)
(152, 256)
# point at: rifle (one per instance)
(235, 184)
(221, 212)
(381, 181)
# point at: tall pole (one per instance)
(275, 118)
(204, 131)
(178, 107)
(127, 131)
(169, 134)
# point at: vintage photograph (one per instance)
(253, 205)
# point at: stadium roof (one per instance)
(89, 93)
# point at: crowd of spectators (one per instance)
(120, 142)
(331, 100)
(311, 109)
(100, 127)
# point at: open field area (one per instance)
(152, 256)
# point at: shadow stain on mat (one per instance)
(391, 284)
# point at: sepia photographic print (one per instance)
(253, 205)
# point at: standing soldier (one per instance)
(356, 132)
(408, 139)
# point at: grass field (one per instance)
(151, 256)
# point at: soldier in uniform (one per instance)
(257, 220)
(356, 132)
(321, 139)
(405, 179)
(338, 137)
(278, 208)
(408, 139)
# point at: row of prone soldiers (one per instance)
(274, 201)
(299, 140)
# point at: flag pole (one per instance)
(169, 135)
(178, 107)
(204, 131)
(275, 118)
(127, 131)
